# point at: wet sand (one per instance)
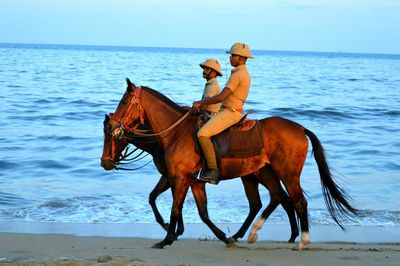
(197, 248)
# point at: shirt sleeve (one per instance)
(233, 82)
(212, 91)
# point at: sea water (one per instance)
(54, 97)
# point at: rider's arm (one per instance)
(213, 100)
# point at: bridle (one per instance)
(127, 126)
(124, 125)
(125, 121)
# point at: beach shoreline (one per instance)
(130, 244)
(269, 232)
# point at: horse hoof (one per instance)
(300, 246)
(292, 240)
(231, 243)
(252, 238)
(159, 245)
(235, 238)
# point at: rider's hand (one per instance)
(196, 105)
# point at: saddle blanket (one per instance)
(240, 142)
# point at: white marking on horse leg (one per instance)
(305, 240)
(253, 233)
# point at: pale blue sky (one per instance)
(371, 26)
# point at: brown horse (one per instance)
(283, 157)
(112, 156)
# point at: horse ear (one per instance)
(129, 84)
(106, 119)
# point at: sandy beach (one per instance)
(75, 246)
(31, 249)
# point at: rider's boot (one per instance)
(211, 174)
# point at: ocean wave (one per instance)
(7, 164)
(13, 86)
(326, 114)
(124, 209)
(49, 164)
(11, 200)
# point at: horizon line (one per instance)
(190, 48)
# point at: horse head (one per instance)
(133, 117)
(113, 145)
(117, 124)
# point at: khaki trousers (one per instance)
(218, 123)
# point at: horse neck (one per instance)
(146, 145)
(159, 116)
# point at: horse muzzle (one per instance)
(107, 163)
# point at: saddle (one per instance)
(244, 139)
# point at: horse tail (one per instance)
(336, 199)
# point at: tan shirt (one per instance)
(211, 89)
(239, 84)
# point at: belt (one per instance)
(232, 108)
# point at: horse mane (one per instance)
(164, 98)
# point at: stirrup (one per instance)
(210, 175)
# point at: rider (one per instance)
(232, 97)
(211, 69)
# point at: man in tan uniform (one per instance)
(232, 98)
(211, 69)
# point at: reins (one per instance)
(126, 155)
(143, 133)
(125, 119)
(132, 169)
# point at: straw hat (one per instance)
(240, 49)
(213, 64)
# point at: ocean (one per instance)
(54, 97)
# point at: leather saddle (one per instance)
(243, 139)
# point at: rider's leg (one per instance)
(212, 172)
(215, 125)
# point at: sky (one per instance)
(363, 26)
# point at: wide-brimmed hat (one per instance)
(213, 64)
(241, 49)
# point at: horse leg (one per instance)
(300, 203)
(250, 185)
(179, 195)
(266, 178)
(278, 196)
(160, 188)
(288, 206)
(290, 210)
(180, 228)
(199, 193)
